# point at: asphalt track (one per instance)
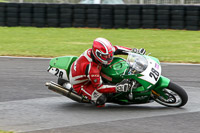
(26, 105)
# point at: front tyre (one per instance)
(177, 96)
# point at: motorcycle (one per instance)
(142, 72)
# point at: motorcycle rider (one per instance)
(85, 71)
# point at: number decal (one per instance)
(154, 74)
(61, 73)
(57, 71)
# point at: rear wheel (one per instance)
(177, 96)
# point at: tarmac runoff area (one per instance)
(26, 105)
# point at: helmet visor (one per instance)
(107, 57)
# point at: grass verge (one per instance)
(167, 45)
(3, 1)
(5, 131)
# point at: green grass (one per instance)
(3, 1)
(5, 131)
(167, 45)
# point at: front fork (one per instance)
(161, 84)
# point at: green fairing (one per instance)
(161, 84)
(140, 95)
(153, 58)
(114, 71)
(137, 78)
(63, 62)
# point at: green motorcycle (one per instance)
(142, 72)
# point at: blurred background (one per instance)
(111, 1)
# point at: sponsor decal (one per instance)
(141, 98)
(95, 80)
(106, 77)
(75, 65)
(95, 94)
(89, 53)
(156, 66)
(95, 76)
(149, 86)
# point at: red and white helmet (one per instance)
(102, 50)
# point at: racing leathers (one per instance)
(86, 79)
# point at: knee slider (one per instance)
(101, 100)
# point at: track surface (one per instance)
(26, 105)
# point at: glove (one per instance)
(135, 50)
(122, 87)
(142, 51)
(139, 51)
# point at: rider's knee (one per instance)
(98, 98)
(101, 100)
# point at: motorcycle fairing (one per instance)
(161, 84)
(60, 66)
(113, 72)
(152, 72)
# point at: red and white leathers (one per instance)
(85, 75)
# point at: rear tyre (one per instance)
(177, 96)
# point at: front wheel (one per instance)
(177, 96)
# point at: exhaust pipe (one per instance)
(66, 92)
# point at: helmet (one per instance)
(103, 51)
